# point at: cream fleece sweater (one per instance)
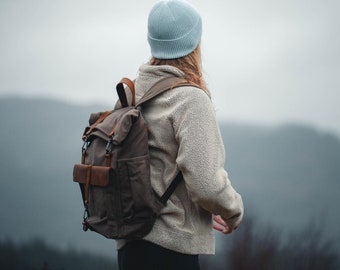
(184, 135)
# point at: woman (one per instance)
(184, 136)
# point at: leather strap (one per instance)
(108, 159)
(87, 185)
(162, 86)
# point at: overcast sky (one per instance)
(265, 61)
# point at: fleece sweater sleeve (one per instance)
(201, 156)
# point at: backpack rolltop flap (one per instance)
(117, 126)
(94, 121)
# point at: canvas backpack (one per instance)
(114, 174)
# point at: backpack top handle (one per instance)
(122, 94)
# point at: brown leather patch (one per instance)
(99, 175)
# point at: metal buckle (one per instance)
(85, 146)
(109, 146)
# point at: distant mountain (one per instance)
(287, 175)
(40, 142)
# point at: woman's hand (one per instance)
(220, 225)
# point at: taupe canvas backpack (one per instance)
(114, 174)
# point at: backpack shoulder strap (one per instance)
(171, 188)
(162, 86)
(157, 89)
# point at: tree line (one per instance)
(249, 248)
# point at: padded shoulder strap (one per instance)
(162, 86)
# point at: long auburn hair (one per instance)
(190, 65)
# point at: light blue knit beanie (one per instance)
(174, 29)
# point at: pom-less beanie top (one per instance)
(174, 29)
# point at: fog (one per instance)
(267, 62)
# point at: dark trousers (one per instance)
(145, 255)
